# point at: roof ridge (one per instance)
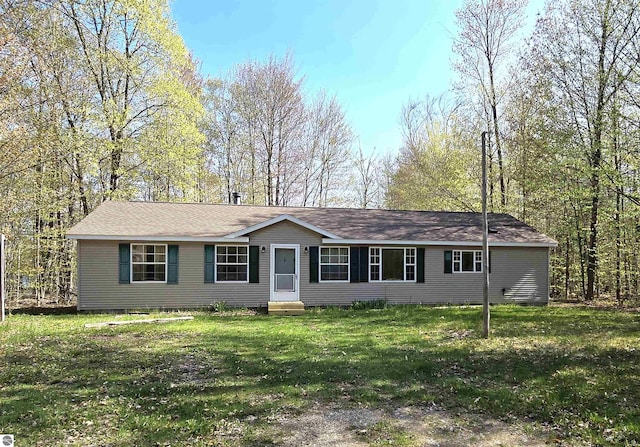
(304, 207)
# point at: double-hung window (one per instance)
(334, 263)
(148, 263)
(467, 261)
(392, 264)
(232, 263)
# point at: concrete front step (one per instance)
(286, 307)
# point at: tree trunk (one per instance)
(592, 256)
(595, 160)
(227, 171)
(81, 191)
(581, 253)
(567, 270)
(496, 132)
(618, 248)
(116, 159)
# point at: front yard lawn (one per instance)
(230, 379)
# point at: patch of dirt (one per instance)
(324, 426)
(439, 428)
(191, 372)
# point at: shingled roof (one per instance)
(190, 221)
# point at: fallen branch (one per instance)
(149, 320)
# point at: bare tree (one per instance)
(269, 140)
(331, 146)
(223, 130)
(367, 178)
(487, 29)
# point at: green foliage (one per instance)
(567, 116)
(585, 141)
(219, 306)
(104, 104)
(369, 304)
(437, 169)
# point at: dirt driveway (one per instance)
(322, 426)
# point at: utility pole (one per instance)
(485, 243)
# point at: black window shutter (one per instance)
(448, 261)
(124, 270)
(209, 263)
(354, 261)
(364, 264)
(172, 264)
(254, 263)
(420, 264)
(314, 264)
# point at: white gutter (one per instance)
(327, 241)
(243, 240)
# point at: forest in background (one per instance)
(101, 100)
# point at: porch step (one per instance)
(286, 307)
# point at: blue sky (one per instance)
(374, 55)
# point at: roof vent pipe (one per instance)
(236, 198)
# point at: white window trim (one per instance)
(283, 296)
(475, 252)
(415, 264)
(215, 265)
(379, 264)
(348, 264)
(166, 264)
(404, 265)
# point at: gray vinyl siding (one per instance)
(286, 232)
(517, 275)
(99, 287)
(522, 272)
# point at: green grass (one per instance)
(224, 380)
(385, 433)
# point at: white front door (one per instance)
(285, 269)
